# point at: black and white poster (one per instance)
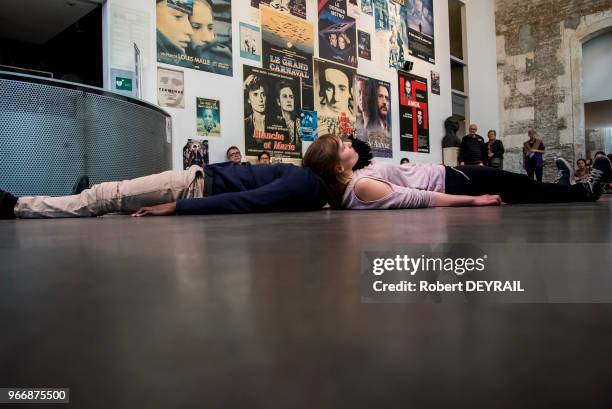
(288, 45)
(201, 40)
(373, 115)
(414, 113)
(421, 29)
(170, 88)
(435, 82)
(334, 98)
(271, 113)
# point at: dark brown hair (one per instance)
(323, 159)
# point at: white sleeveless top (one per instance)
(412, 185)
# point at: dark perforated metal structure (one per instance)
(52, 132)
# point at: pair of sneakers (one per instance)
(599, 175)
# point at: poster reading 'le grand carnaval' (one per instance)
(421, 29)
(271, 113)
(195, 34)
(337, 33)
(288, 45)
(414, 113)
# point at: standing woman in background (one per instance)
(495, 151)
(533, 158)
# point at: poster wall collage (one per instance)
(290, 95)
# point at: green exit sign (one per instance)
(123, 84)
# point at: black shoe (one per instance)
(7, 205)
(80, 185)
(598, 176)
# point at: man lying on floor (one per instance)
(214, 189)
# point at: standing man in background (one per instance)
(472, 150)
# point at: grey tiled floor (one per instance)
(262, 311)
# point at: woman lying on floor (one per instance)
(354, 183)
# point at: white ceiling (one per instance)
(38, 21)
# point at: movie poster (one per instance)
(185, 6)
(373, 115)
(352, 8)
(421, 29)
(294, 7)
(308, 126)
(271, 113)
(435, 82)
(391, 32)
(250, 42)
(186, 40)
(337, 33)
(195, 152)
(170, 88)
(208, 117)
(366, 7)
(334, 98)
(414, 113)
(363, 40)
(288, 45)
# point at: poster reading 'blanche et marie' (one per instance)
(337, 33)
(195, 34)
(288, 45)
(271, 107)
(373, 112)
(208, 121)
(421, 29)
(414, 113)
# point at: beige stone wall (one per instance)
(539, 53)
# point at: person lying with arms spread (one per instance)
(215, 189)
(355, 183)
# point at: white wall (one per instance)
(481, 51)
(596, 65)
(482, 65)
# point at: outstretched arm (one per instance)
(165, 209)
(444, 200)
(380, 195)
